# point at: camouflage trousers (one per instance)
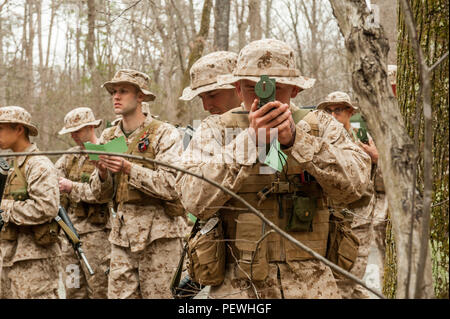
(309, 279)
(379, 232)
(371, 231)
(145, 274)
(348, 288)
(31, 279)
(78, 283)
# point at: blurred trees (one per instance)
(55, 54)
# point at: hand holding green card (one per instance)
(117, 145)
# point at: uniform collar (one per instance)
(118, 131)
(32, 148)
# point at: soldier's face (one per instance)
(8, 136)
(340, 113)
(82, 135)
(246, 91)
(220, 101)
(126, 98)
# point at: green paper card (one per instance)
(276, 158)
(117, 145)
(192, 217)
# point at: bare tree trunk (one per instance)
(2, 61)
(367, 48)
(254, 19)
(268, 18)
(221, 24)
(199, 42)
(242, 24)
(90, 41)
(196, 51)
(29, 55)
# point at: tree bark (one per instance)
(221, 24)
(254, 19)
(267, 32)
(242, 24)
(90, 41)
(367, 48)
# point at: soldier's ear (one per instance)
(294, 92)
(140, 97)
(238, 89)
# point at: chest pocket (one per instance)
(126, 193)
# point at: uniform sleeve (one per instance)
(340, 167)
(43, 192)
(61, 165)
(227, 165)
(160, 182)
(96, 191)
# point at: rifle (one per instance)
(4, 168)
(66, 224)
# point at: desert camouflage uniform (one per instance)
(337, 164)
(29, 270)
(78, 282)
(146, 242)
(361, 213)
(79, 203)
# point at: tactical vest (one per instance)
(124, 192)
(292, 200)
(17, 190)
(96, 213)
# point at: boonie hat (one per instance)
(269, 57)
(136, 78)
(17, 114)
(204, 73)
(77, 119)
(336, 98)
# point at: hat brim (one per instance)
(31, 128)
(301, 82)
(64, 130)
(189, 94)
(323, 105)
(149, 96)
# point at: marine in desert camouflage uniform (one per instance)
(145, 237)
(29, 240)
(90, 218)
(362, 211)
(340, 170)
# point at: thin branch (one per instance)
(438, 62)
(118, 16)
(225, 190)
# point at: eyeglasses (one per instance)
(337, 110)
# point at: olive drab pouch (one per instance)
(303, 211)
(46, 234)
(20, 194)
(252, 261)
(98, 213)
(343, 244)
(9, 232)
(85, 177)
(174, 208)
(206, 254)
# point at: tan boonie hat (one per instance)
(337, 98)
(17, 114)
(77, 119)
(204, 73)
(269, 57)
(136, 78)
